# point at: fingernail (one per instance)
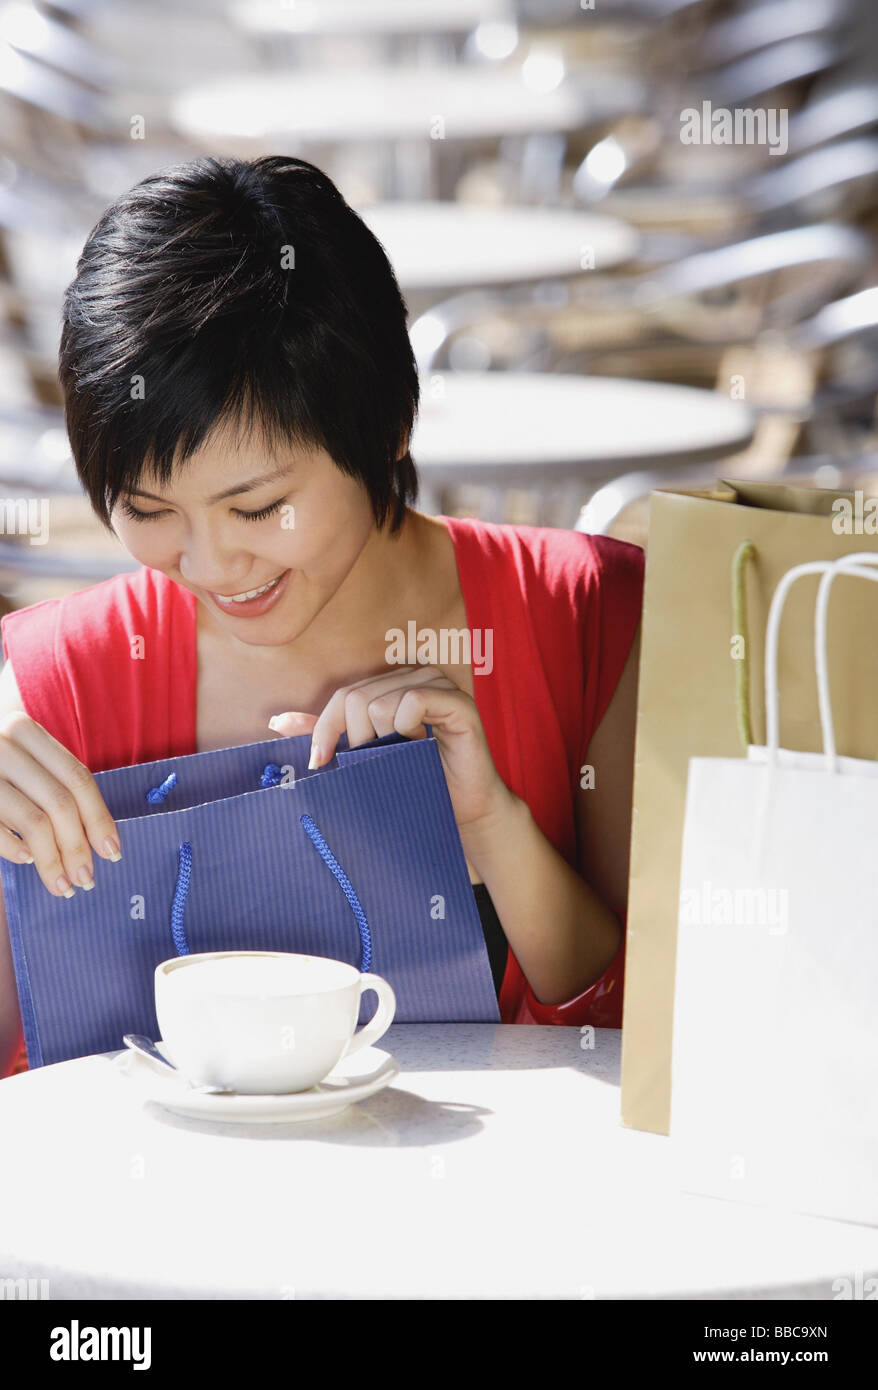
(273, 724)
(112, 849)
(314, 760)
(24, 857)
(84, 878)
(63, 886)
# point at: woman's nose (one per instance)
(206, 564)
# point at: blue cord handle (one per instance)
(156, 794)
(345, 884)
(184, 873)
(271, 776)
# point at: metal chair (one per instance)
(553, 14)
(34, 33)
(849, 377)
(51, 94)
(432, 332)
(601, 513)
(853, 317)
(836, 180)
(786, 274)
(838, 115)
(844, 337)
(774, 69)
(778, 22)
(713, 299)
(827, 170)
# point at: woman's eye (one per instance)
(263, 512)
(136, 515)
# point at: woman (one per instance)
(240, 392)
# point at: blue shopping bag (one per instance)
(244, 849)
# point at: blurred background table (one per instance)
(368, 16)
(417, 110)
(513, 430)
(442, 248)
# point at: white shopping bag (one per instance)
(774, 1089)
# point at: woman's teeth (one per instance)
(251, 593)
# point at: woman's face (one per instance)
(305, 529)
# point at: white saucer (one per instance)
(353, 1079)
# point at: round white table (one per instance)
(493, 1166)
(263, 114)
(525, 428)
(368, 17)
(446, 246)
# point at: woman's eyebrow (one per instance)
(282, 472)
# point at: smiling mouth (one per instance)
(249, 593)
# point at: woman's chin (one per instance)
(273, 630)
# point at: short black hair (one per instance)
(237, 292)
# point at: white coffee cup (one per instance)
(264, 1022)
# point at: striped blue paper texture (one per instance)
(84, 965)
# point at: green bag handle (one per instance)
(746, 551)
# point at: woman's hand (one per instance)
(403, 701)
(52, 800)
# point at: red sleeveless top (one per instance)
(562, 606)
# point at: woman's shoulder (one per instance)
(94, 613)
(548, 561)
(113, 647)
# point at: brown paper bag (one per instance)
(695, 671)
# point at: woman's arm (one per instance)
(603, 813)
(10, 1016)
(560, 927)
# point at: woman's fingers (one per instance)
(364, 710)
(403, 701)
(441, 703)
(14, 849)
(292, 722)
(473, 782)
(57, 868)
(380, 712)
(52, 801)
(348, 709)
(47, 756)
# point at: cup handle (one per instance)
(381, 1019)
